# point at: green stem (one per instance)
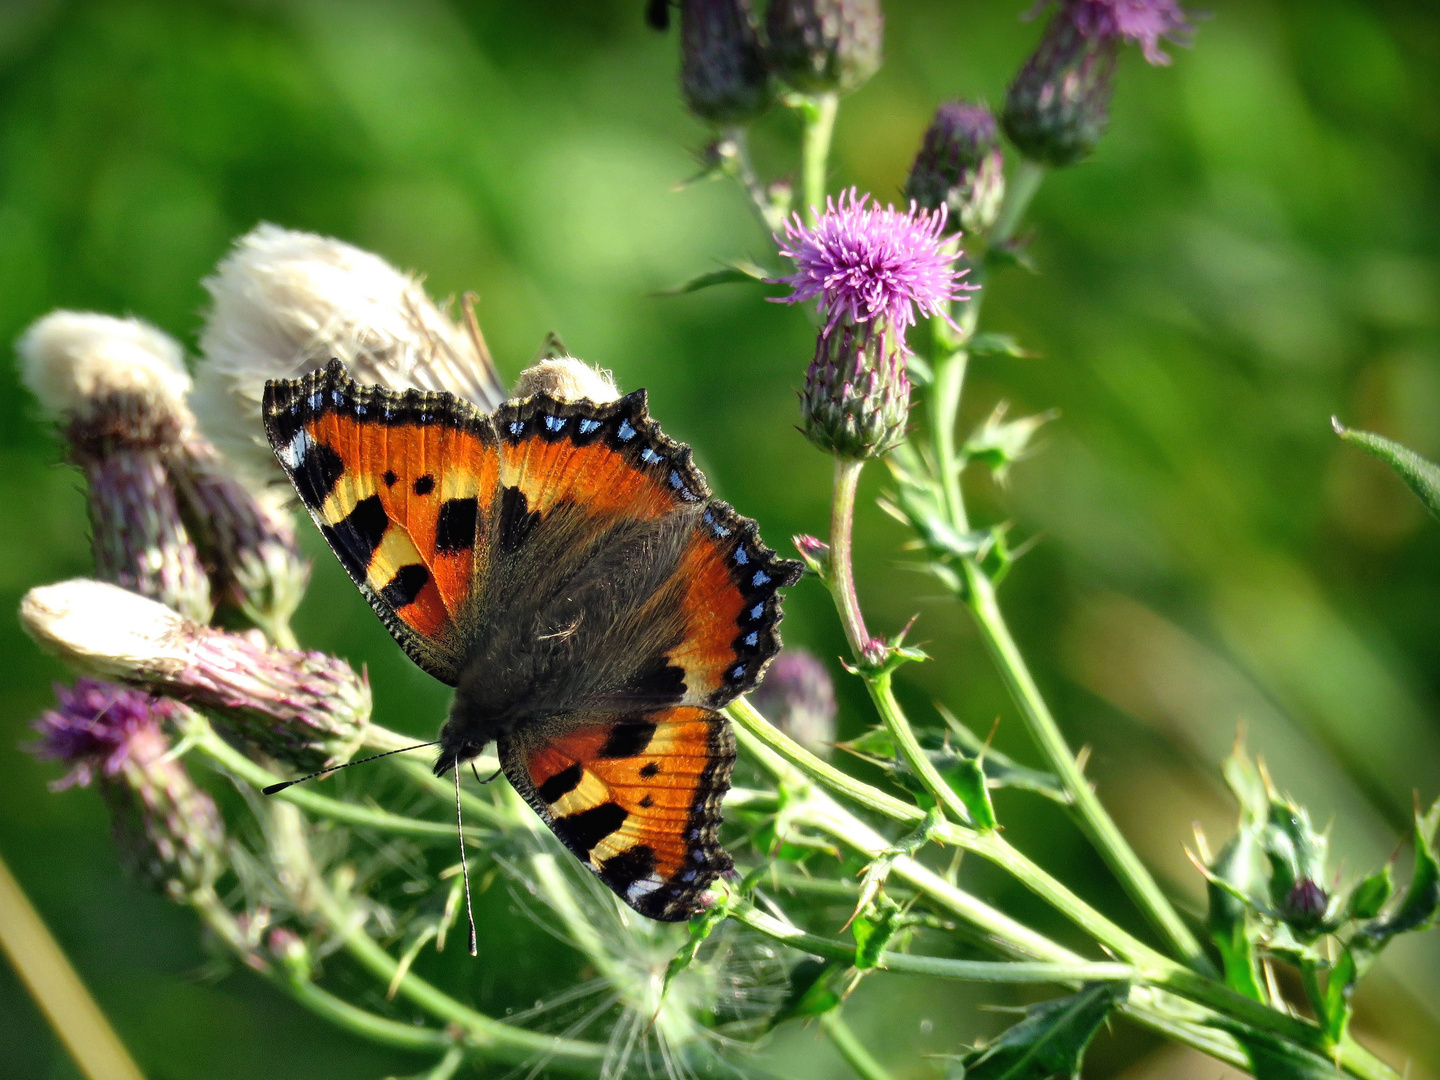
(989, 971)
(743, 170)
(840, 575)
(1117, 853)
(496, 1040)
(851, 1049)
(202, 737)
(772, 738)
(883, 695)
(1018, 193)
(818, 114)
(945, 406)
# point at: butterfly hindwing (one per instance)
(635, 796)
(400, 485)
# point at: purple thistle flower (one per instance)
(99, 727)
(866, 264)
(1141, 22)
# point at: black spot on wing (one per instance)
(561, 784)
(315, 474)
(586, 828)
(629, 866)
(628, 739)
(405, 586)
(355, 538)
(659, 681)
(516, 520)
(650, 769)
(389, 477)
(424, 485)
(455, 528)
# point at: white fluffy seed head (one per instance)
(74, 360)
(102, 629)
(285, 303)
(567, 379)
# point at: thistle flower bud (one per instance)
(1305, 905)
(304, 708)
(566, 379)
(116, 388)
(723, 74)
(285, 303)
(825, 46)
(1059, 104)
(1297, 864)
(856, 400)
(959, 167)
(1058, 107)
(247, 538)
(798, 697)
(168, 829)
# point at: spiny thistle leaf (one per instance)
(1422, 476)
(1050, 1041)
(738, 272)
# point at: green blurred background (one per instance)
(1253, 248)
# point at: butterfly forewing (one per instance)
(399, 484)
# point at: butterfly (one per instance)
(562, 565)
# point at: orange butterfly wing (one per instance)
(636, 798)
(399, 484)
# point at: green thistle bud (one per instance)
(116, 388)
(825, 46)
(856, 399)
(723, 74)
(304, 708)
(960, 168)
(1059, 105)
(169, 832)
(1297, 865)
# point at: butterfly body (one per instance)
(562, 565)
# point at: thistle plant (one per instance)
(340, 897)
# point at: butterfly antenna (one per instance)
(273, 788)
(464, 866)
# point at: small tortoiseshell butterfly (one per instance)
(563, 565)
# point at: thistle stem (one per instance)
(496, 1040)
(202, 738)
(850, 1047)
(990, 971)
(818, 115)
(743, 170)
(882, 693)
(1021, 189)
(840, 575)
(945, 406)
(1117, 853)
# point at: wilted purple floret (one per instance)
(863, 263)
(1142, 22)
(95, 727)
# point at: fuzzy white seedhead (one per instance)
(285, 303)
(567, 379)
(102, 629)
(74, 360)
